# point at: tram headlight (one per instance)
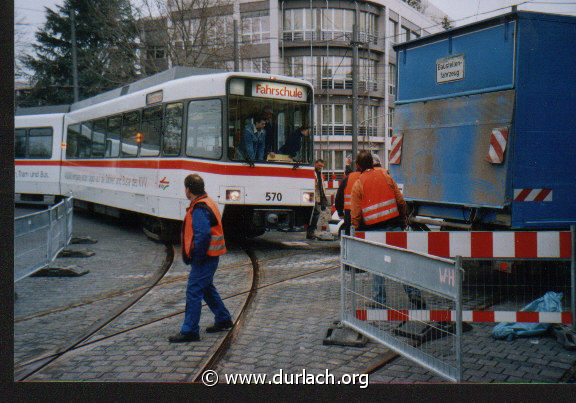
(233, 195)
(308, 197)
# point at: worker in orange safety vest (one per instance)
(377, 204)
(203, 243)
(376, 201)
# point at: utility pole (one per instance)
(355, 44)
(236, 50)
(74, 61)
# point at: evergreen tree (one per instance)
(106, 33)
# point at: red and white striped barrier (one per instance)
(333, 184)
(504, 244)
(529, 195)
(467, 316)
(396, 149)
(498, 141)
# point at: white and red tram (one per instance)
(131, 148)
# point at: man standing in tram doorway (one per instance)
(202, 241)
(377, 204)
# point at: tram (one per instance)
(131, 148)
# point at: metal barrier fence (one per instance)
(505, 271)
(384, 285)
(39, 237)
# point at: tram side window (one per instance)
(151, 129)
(98, 137)
(204, 131)
(173, 128)
(72, 141)
(85, 140)
(130, 123)
(40, 143)
(113, 136)
(20, 143)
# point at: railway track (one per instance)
(25, 370)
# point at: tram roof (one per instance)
(173, 73)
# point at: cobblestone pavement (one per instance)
(283, 330)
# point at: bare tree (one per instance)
(187, 32)
(20, 47)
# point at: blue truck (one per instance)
(485, 123)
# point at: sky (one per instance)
(29, 14)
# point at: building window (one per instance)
(256, 27)
(390, 121)
(367, 120)
(299, 24)
(339, 160)
(391, 79)
(337, 24)
(391, 33)
(336, 72)
(404, 34)
(336, 120)
(301, 67)
(367, 29)
(155, 52)
(259, 65)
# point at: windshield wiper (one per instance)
(296, 165)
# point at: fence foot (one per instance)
(339, 335)
(565, 336)
(82, 240)
(75, 253)
(69, 271)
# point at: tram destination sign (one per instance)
(267, 89)
(450, 69)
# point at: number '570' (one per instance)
(271, 196)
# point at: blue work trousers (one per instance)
(200, 286)
(379, 283)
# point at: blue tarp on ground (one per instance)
(550, 302)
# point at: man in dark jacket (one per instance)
(202, 245)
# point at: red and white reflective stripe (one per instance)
(533, 195)
(467, 316)
(498, 141)
(333, 184)
(396, 149)
(476, 244)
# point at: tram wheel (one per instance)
(161, 230)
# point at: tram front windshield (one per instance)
(269, 121)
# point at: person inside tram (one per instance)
(253, 143)
(295, 141)
(271, 132)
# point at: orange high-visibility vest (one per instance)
(379, 201)
(352, 178)
(217, 244)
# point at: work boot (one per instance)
(220, 326)
(184, 338)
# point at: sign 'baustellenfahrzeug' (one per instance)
(449, 69)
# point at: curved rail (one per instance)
(48, 358)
